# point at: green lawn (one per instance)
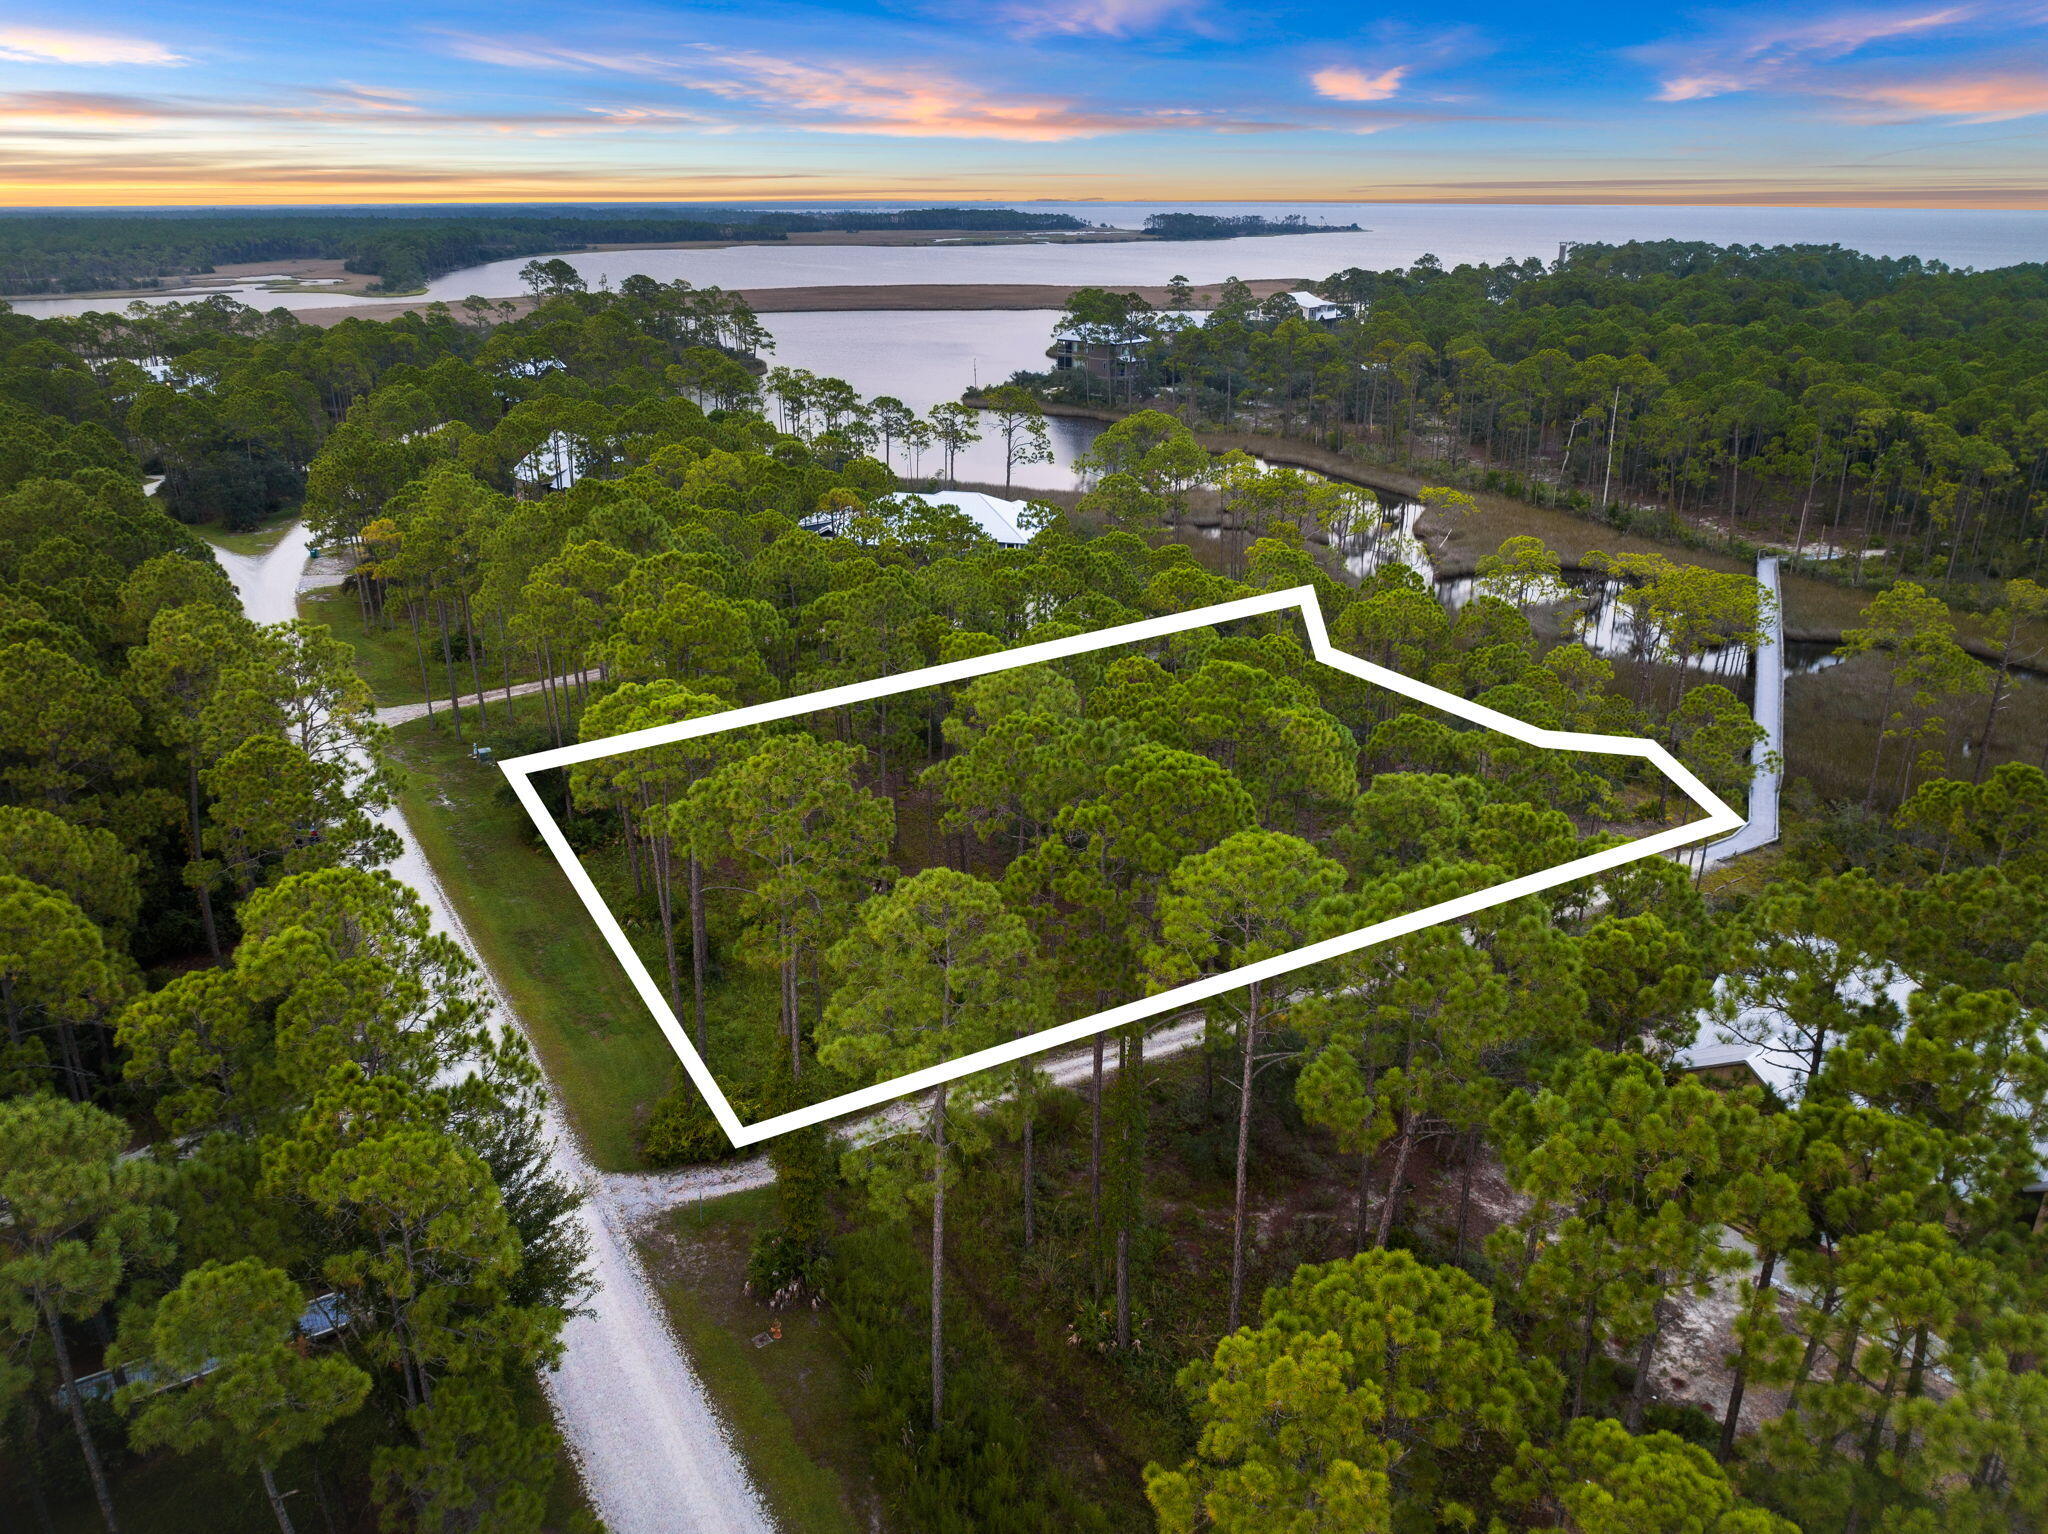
(605, 1058)
(787, 1403)
(390, 660)
(258, 540)
(385, 656)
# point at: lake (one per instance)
(1395, 235)
(926, 357)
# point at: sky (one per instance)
(1941, 105)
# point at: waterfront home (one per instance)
(1318, 310)
(1114, 359)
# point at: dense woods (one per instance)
(81, 253)
(241, 1080)
(1846, 405)
(1443, 1234)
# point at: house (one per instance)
(992, 514)
(1730, 1062)
(1318, 310)
(1114, 359)
(322, 1318)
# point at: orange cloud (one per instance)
(889, 100)
(61, 106)
(45, 45)
(1341, 84)
(376, 110)
(906, 103)
(1978, 99)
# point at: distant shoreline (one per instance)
(328, 274)
(881, 297)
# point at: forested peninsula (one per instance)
(89, 253)
(1220, 226)
(1840, 403)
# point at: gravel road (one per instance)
(654, 1455)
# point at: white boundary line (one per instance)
(519, 771)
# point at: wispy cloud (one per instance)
(1344, 84)
(367, 98)
(1766, 54)
(70, 106)
(890, 100)
(1841, 59)
(45, 45)
(235, 174)
(905, 103)
(381, 111)
(1972, 98)
(1099, 18)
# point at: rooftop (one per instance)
(995, 516)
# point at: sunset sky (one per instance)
(1940, 105)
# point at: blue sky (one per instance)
(1929, 105)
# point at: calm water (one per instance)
(926, 357)
(1395, 235)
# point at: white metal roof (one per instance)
(995, 516)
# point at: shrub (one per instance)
(788, 1262)
(980, 1474)
(680, 1130)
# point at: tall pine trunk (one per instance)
(1404, 1145)
(1731, 1420)
(69, 1377)
(419, 646)
(205, 894)
(1029, 1107)
(1244, 1146)
(476, 677)
(1999, 681)
(1646, 1359)
(1588, 1331)
(1131, 1079)
(1095, 1172)
(284, 1519)
(938, 1255)
(698, 942)
(448, 667)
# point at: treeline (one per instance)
(231, 406)
(1886, 413)
(1219, 226)
(81, 253)
(994, 219)
(273, 1193)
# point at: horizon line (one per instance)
(2033, 202)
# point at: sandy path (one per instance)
(643, 1196)
(405, 713)
(654, 1456)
